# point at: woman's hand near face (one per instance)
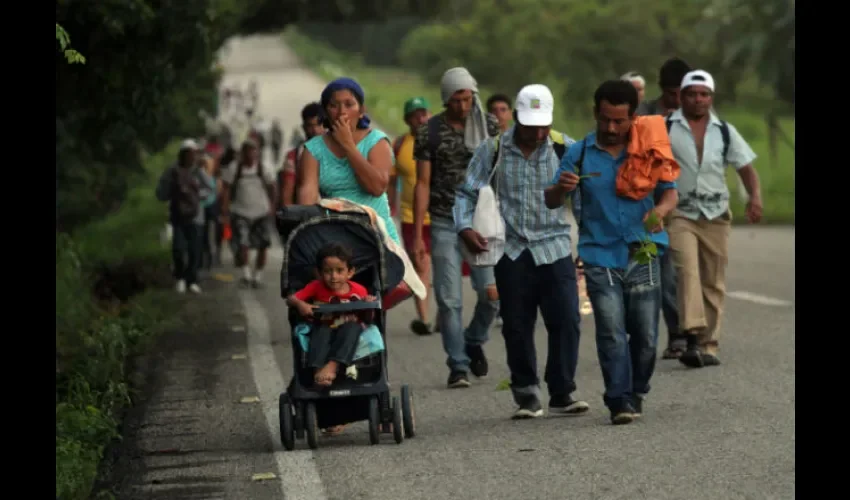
(342, 134)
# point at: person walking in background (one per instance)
(537, 270)
(639, 83)
(311, 126)
(211, 233)
(247, 205)
(669, 79)
(624, 290)
(416, 114)
(276, 140)
(442, 150)
(183, 187)
(704, 145)
(499, 105)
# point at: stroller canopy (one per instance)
(304, 230)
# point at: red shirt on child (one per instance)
(317, 293)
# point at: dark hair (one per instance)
(228, 156)
(334, 250)
(616, 92)
(181, 157)
(672, 72)
(312, 110)
(498, 98)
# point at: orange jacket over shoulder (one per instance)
(649, 159)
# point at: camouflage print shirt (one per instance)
(452, 158)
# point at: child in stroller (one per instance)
(333, 341)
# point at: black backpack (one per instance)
(186, 205)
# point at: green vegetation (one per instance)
(388, 87)
(108, 308)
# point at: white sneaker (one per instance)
(194, 288)
(181, 286)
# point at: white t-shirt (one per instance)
(252, 196)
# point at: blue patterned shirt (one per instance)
(519, 184)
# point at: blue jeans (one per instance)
(626, 308)
(669, 306)
(446, 262)
(523, 287)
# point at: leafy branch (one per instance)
(71, 55)
(648, 249)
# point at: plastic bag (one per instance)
(488, 222)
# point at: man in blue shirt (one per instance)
(625, 294)
(536, 269)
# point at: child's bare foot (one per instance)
(326, 376)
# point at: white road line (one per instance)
(759, 299)
(299, 478)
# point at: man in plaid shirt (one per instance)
(537, 269)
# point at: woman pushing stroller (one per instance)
(333, 341)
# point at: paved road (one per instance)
(720, 433)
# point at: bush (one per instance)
(96, 335)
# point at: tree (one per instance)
(148, 63)
(64, 40)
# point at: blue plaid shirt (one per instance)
(519, 184)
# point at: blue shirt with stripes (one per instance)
(519, 183)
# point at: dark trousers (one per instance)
(669, 306)
(523, 287)
(333, 344)
(211, 237)
(186, 250)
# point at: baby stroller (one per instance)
(304, 408)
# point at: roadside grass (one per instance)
(387, 89)
(109, 306)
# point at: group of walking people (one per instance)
(631, 181)
(635, 180)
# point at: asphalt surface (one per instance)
(725, 432)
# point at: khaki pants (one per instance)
(700, 250)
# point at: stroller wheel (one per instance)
(287, 432)
(374, 420)
(312, 426)
(408, 414)
(299, 419)
(398, 431)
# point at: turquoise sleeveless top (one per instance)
(337, 180)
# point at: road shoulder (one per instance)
(191, 433)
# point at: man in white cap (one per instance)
(442, 150)
(537, 269)
(699, 229)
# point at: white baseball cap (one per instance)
(189, 144)
(534, 106)
(698, 77)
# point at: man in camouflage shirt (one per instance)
(442, 150)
